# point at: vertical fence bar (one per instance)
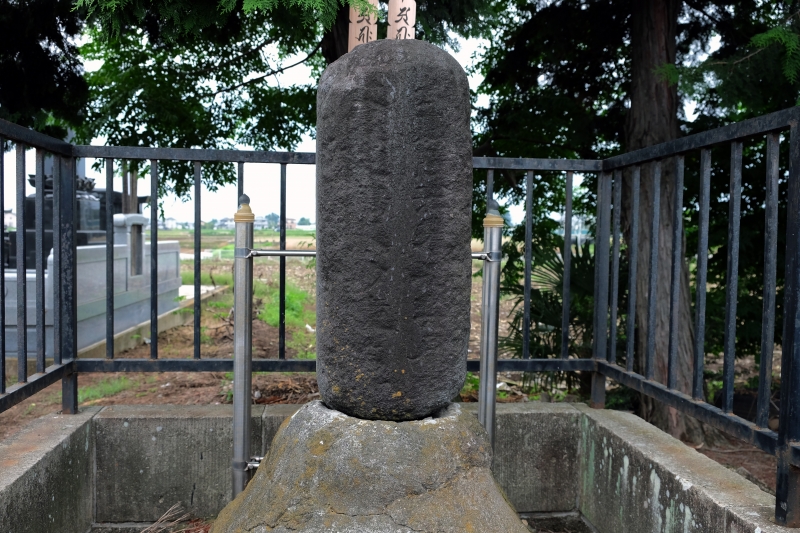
(125, 202)
(69, 282)
(567, 256)
(702, 274)
(489, 186)
(490, 310)
(3, 260)
(653, 280)
(732, 277)
(242, 344)
(633, 267)
(787, 494)
(57, 262)
(600, 337)
(282, 273)
(22, 337)
(240, 179)
(109, 201)
(617, 201)
(675, 287)
(153, 259)
(770, 269)
(601, 267)
(40, 258)
(197, 268)
(526, 290)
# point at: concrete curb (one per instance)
(637, 478)
(46, 475)
(120, 468)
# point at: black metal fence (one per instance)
(603, 365)
(783, 444)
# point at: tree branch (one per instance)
(238, 58)
(755, 52)
(271, 73)
(695, 7)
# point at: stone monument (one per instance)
(394, 197)
(385, 450)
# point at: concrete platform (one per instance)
(118, 469)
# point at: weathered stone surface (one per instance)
(274, 415)
(46, 480)
(394, 190)
(330, 472)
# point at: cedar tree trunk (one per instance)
(334, 41)
(653, 119)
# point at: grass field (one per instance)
(221, 239)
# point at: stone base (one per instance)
(330, 472)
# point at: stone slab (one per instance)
(46, 477)
(394, 195)
(151, 457)
(636, 478)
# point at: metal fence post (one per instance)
(490, 309)
(601, 258)
(242, 343)
(787, 494)
(67, 234)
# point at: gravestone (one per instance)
(394, 194)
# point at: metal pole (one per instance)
(242, 346)
(490, 309)
(787, 492)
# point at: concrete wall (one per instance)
(635, 478)
(153, 457)
(558, 464)
(46, 476)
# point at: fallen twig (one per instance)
(172, 518)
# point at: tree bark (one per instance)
(653, 119)
(334, 41)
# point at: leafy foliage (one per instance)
(755, 69)
(546, 303)
(564, 94)
(790, 42)
(200, 92)
(182, 17)
(178, 18)
(202, 74)
(547, 281)
(754, 72)
(42, 76)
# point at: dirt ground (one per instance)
(299, 388)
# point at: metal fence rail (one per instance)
(609, 287)
(782, 443)
(64, 289)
